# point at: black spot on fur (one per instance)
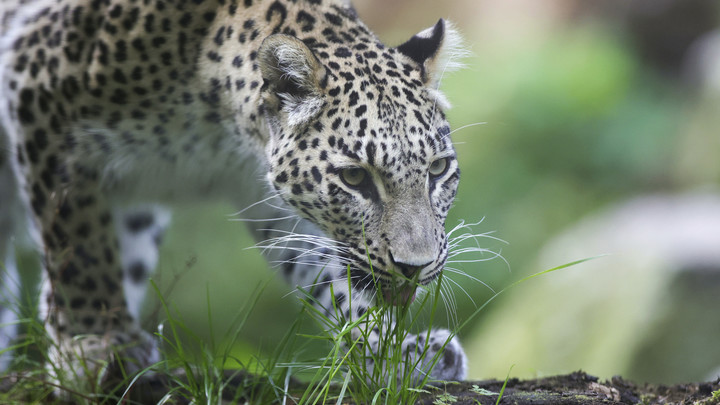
(99, 304)
(281, 178)
(333, 19)
(276, 8)
(89, 284)
(111, 286)
(370, 149)
(138, 222)
(343, 52)
(83, 230)
(77, 302)
(88, 321)
(306, 20)
(317, 176)
(69, 273)
(137, 272)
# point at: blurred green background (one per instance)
(583, 105)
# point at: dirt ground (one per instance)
(575, 388)
(571, 389)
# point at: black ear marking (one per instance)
(425, 44)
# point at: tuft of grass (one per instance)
(204, 373)
(381, 374)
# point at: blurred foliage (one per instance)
(574, 120)
(568, 121)
(571, 124)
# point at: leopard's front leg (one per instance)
(94, 338)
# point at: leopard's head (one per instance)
(360, 146)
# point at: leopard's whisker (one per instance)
(485, 235)
(464, 127)
(319, 250)
(463, 225)
(325, 263)
(462, 251)
(447, 301)
(264, 200)
(318, 261)
(464, 274)
(291, 237)
(313, 236)
(458, 285)
(452, 307)
(307, 287)
(250, 220)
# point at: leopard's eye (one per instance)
(354, 176)
(438, 167)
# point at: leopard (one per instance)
(336, 147)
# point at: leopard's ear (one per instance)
(437, 50)
(293, 79)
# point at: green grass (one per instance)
(203, 372)
(209, 372)
(212, 372)
(394, 382)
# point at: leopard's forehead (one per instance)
(378, 112)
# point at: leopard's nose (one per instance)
(408, 267)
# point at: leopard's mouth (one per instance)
(390, 284)
(391, 288)
(400, 295)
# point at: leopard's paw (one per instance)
(444, 357)
(98, 363)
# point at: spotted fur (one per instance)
(294, 104)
